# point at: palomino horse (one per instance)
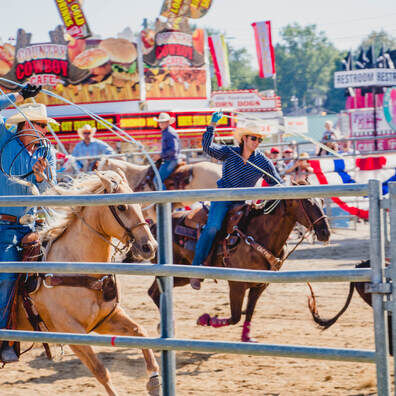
(204, 175)
(257, 232)
(84, 234)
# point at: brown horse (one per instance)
(258, 230)
(204, 175)
(84, 234)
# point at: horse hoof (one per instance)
(153, 386)
(248, 339)
(204, 320)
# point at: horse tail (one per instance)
(326, 323)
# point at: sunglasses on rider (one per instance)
(40, 124)
(254, 138)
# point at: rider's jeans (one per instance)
(10, 238)
(166, 170)
(217, 212)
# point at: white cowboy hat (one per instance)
(84, 128)
(250, 129)
(164, 117)
(33, 112)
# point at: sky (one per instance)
(345, 22)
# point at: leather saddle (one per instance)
(187, 229)
(178, 180)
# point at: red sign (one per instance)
(73, 18)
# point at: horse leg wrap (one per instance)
(204, 320)
(246, 332)
(216, 322)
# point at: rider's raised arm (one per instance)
(6, 100)
(218, 151)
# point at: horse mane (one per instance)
(256, 211)
(62, 217)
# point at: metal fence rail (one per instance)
(167, 344)
(166, 271)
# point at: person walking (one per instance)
(170, 146)
(25, 156)
(243, 166)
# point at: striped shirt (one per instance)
(235, 172)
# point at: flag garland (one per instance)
(354, 170)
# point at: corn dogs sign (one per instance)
(73, 18)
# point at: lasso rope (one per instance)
(262, 121)
(113, 128)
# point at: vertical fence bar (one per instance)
(377, 258)
(392, 215)
(165, 256)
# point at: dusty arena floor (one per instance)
(281, 317)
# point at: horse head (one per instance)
(309, 212)
(125, 221)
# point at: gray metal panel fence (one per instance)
(166, 271)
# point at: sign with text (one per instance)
(244, 100)
(73, 18)
(365, 78)
(82, 71)
(185, 8)
(296, 124)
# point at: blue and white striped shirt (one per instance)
(17, 161)
(235, 172)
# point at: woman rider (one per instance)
(238, 171)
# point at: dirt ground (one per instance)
(281, 317)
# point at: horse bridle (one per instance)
(121, 223)
(313, 223)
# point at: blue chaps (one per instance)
(10, 250)
(217, 212)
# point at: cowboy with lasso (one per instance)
(25, 155)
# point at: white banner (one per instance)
(365, 78)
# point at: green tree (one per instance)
(305, 63)
(378, 39)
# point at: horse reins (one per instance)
(275, 262)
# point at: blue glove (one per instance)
(217, 116)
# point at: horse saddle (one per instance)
(178, 180)
(188, 227)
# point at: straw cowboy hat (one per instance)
(248, 130)
(303, 156)
(33, 112)
(86, 128)
(164, 117)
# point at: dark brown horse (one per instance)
(361, 289)
(256, 233)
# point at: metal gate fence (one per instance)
(379, 277)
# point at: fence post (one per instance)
(165, 256)
(392, 215)
(377, 258)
